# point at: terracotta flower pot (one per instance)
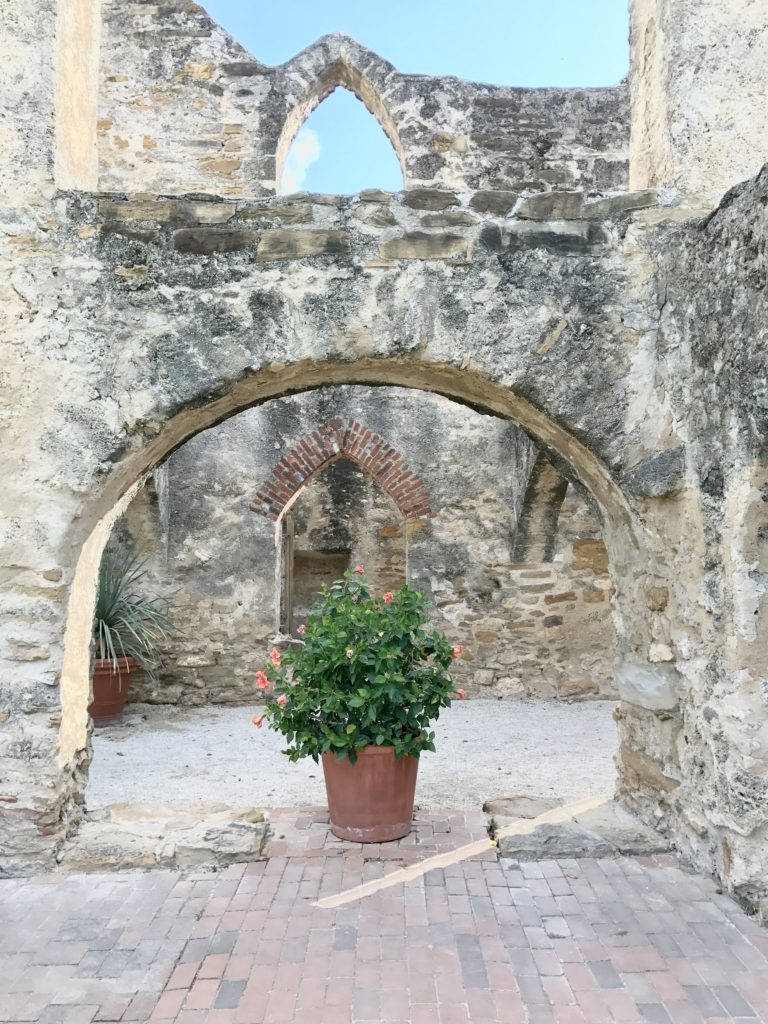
(371, 801)
(110, 688)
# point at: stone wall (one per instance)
(184, 108)
(628, 341)
(699, 116)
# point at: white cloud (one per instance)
(304, 151)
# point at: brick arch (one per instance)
(343, 439)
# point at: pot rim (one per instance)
(127, 662)
(372, 750)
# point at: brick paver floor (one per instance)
(568, 941)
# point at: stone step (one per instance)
(174, 836)
(608, 830)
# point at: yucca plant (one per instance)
(126, 623)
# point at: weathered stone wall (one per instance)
(217, 557)
(630, 346)
(184, 108)
(699, 116)
(714, 275)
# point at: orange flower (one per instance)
(388, 597)
(302, 629)
(458, 650)
(282, 700)
(461, 694)
(257, 720)
(261, 680)
(275, 656)
(360, 569)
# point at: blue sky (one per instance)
(341, 148)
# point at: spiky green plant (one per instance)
(126, 623)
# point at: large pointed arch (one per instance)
(343, 439)
(341, 71)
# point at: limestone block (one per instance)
(657, 598)
(520, 806)
(418, 245)
(290, 213)
(660, 476)
(552, 206)
(483, 677)
(607, 830)
(174, 836)
(285, 244)
(638, 770)
(614, 206)
(570, 687)
(377, 216)
(206, 241)
(451, 219)
(374, 195)
(653, 687)
(120, 210)
(562, 237)
(590, 555)
(498, 204)
(429, 199)
(557, 840)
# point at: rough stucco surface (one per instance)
(626, 339)
(723, 331)
(529, 627)
(698, 88)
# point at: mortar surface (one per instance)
(485, 750)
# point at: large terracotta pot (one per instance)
(110, 688)
(371, 801)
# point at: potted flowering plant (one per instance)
(360, 692)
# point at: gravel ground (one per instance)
(485, 749)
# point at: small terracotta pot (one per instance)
(371, 801)
(110, 688)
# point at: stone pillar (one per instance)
(78, 44)
(699, 95)
(27, 35)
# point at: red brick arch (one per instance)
(343, 439)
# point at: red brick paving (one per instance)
(633, 940)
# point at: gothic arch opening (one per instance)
(338, 74)
(340, 518)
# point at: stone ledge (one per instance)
(604, 831)
(206, 242)
(185, 836)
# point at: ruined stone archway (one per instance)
(625, 531)
(516, 274)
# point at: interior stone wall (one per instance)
(344, 508)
